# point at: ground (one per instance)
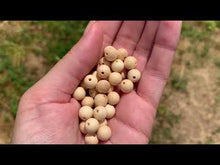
(189, 110)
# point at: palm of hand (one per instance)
(48, 114)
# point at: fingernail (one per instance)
(89, 27)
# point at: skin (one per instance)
(48, 115)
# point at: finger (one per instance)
(110, 29)
(129, 35)
(70, 70)
(144, 46)
(157, 69)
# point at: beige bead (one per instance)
(115, 78)
(126, 86)
(110, 110)
(103, 86)
(92, 92)
(101, 100)
(130, 62)
(85, 112)
(91, 139)
(134, 75)
(110, 53)
(103, 71)
(89, 101)
(117, 65)
(90, 81)
(122, 54)
(96, 75)
(82, 127)
(104, 122)
(79, 93)
(113, 98)
(104, 133)
(91, 125)
(103, 61)
(99, 113)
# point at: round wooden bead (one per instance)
(103, 86)
(113, 98)
(103, 61)
(82, 127)
(101, 100)
(103, 71)
(90, 81)
(110, 53)
(126, 86)
(92, 92)
(79, 93)
(85, 112)
(130, 62)
(122, 54)
(104, 133)
(115, 78)
(82, 84)
(104, 122)
(89, 101)
(134, 75)
(117, 65)
(91, 139)
(110, 111)
(99, 113)
(91, 125)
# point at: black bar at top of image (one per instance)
(110, 10)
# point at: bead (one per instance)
(103, 61)
(117, 65)
(122, 54)
(104, 133)
(82, 84)
(101, 100)
(96, 75)
(115, 78)
(90, 81)
(89, 101)
(82, 127)
(126, 86)
(99, 113)
(91, 139)
(103, 71)
(92, 92)
(85, 112)
(113, 98)
(91, 125)
(110, 110)
(104, 122)
(110, 53)
(130, 62)
(103, 86)
(134, 75)
(79, 93)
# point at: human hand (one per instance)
(48, 114)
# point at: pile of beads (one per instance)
(98, 96)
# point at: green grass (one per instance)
(166, 120)
(179, 83)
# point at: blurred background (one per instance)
(189, 111)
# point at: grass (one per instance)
(179, 83)
(166, 120)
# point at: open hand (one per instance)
(48, 114)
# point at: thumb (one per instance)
(71, 69)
